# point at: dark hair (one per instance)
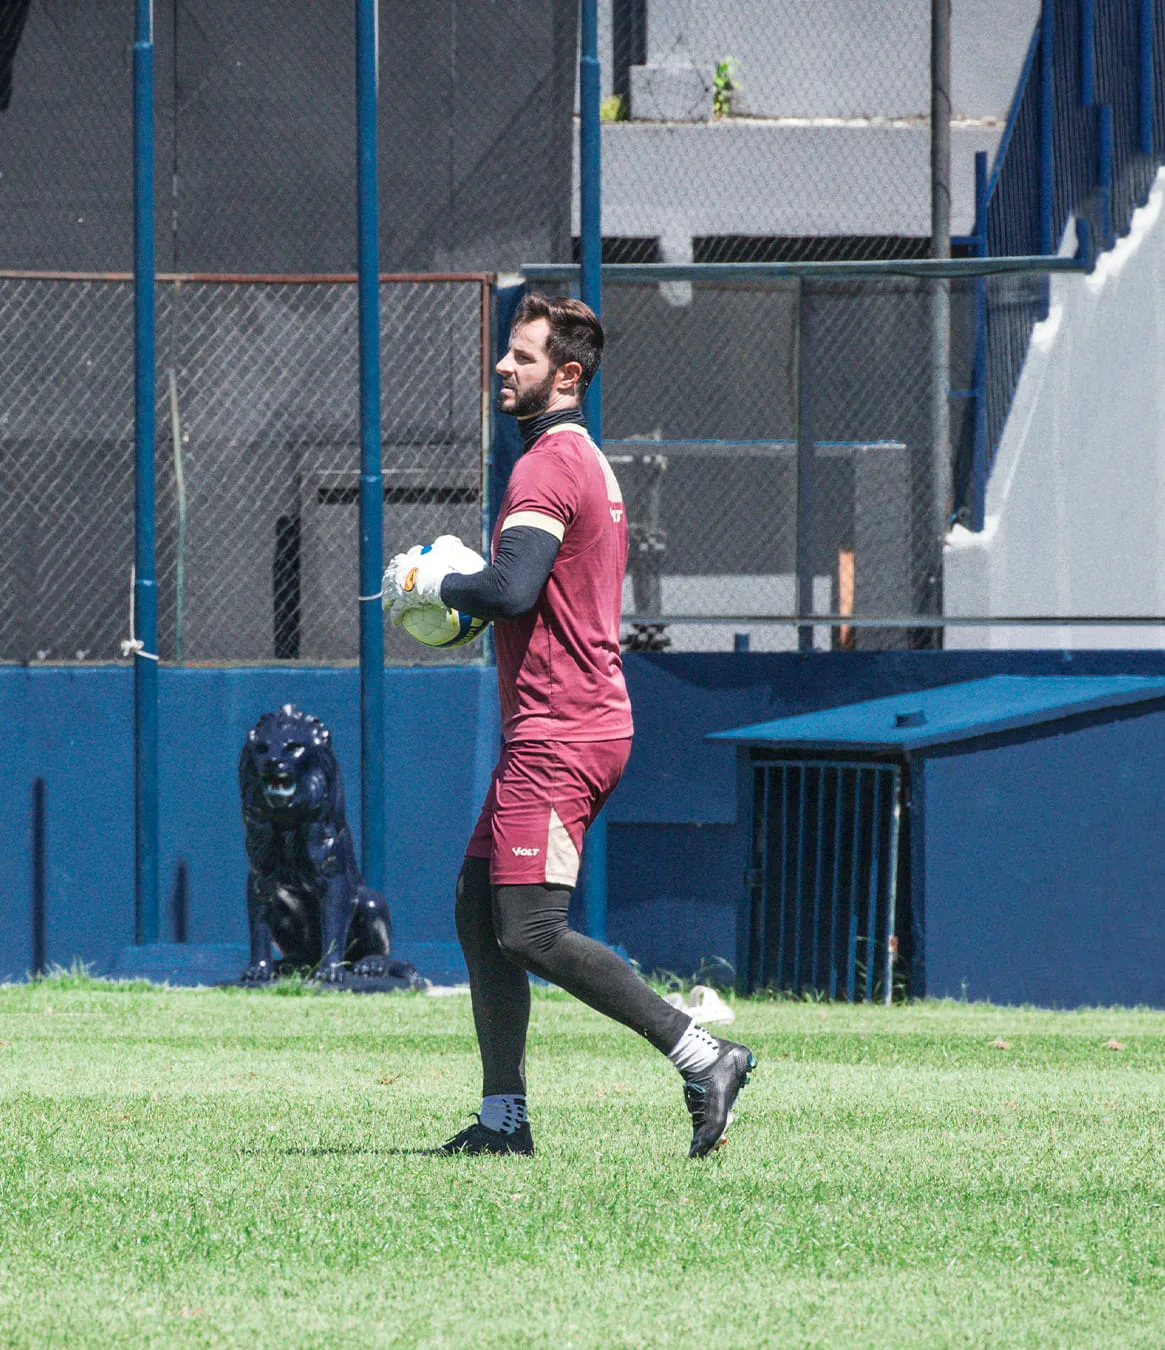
(575, 332)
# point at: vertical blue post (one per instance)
(371, 483)
(145, 589)
(1104, 175)
(819, 863)
(800, 884)
(806, 463)
(758, 974)
(39, 879)
(783, 885)
(875, 877)
(591, 288)
(1087, 52)
(1047, 169)
(590, 193)
(979, 443)
(1145, 82)
(851, 958)
(835, 891)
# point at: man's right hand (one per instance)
(414, 578)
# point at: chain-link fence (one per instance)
(775, 446)
(255, 168)
(798, 464)
(780, 442)
(258, 459)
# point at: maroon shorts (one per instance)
(541, 799)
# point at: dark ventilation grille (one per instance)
(825, 878)
(622, 249)
(709, 248)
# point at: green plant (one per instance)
(613, 109)
(724, 85)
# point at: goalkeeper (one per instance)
(555, 590)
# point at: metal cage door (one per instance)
(825, 878)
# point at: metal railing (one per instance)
(1084, 137)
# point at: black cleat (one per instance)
(710, 1094)
(477, 1138)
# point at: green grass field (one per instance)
(205, 1168)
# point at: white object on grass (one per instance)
(703, 1005)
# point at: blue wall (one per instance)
(1043, 868)
(677, 850)
(74, 727)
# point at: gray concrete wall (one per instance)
(743, 176)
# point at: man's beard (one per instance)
(533, 401)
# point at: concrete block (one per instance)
(672, 93)
(742, 176)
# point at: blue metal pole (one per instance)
(591, 251)
(835, 890)
(1047, 171)
(590, 193)
(1087, 52)
(979, 451)
(757, 976)
(806, 462)
(371, 482)
(783, 885)
(39, 879)
(875, 873)
(1104, 175)
(145, 590)
(1146, 78)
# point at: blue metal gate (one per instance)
(825, 877)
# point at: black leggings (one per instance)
(506, 931)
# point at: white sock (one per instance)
(696, 1049)
(504, 1113)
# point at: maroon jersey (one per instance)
(560, 673)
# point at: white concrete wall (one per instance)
(1075, 512)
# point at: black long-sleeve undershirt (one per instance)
(525, 553)
(513, 584)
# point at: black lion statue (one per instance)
(305, 893)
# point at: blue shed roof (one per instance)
(952, 712)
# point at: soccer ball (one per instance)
(439, 626)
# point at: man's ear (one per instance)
(568, 377)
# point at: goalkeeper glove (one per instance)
(414, 578)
